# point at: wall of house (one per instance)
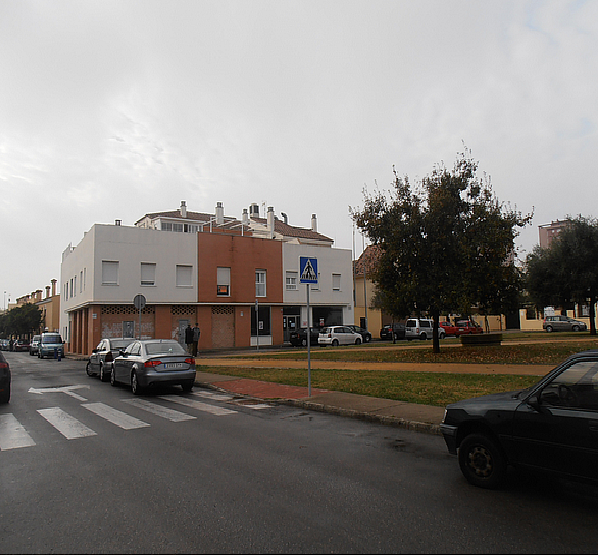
(330, 261)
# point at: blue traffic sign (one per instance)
(308, 270)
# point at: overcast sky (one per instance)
(113, 109)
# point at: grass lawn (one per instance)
(436, 389)
(540, 353)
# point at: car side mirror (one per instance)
(94, 351)
(122, 353)
(535, 402)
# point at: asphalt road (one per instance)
(88, 468)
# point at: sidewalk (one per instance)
(417, 417)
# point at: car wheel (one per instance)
(113, 381)
(304, 342)
(441, 336)
(549, 329)
(335, 342)
(423, 336)
(135, 387)
(188, 386)
(357, 341)
(368, 338)
(575, 329)
(482, 462)
(88, 370)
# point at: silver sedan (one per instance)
(147, 363)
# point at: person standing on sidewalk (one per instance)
(189, 338)
(196, 333)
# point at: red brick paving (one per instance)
(264, 389)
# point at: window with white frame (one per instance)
(260, 283)
(110, 272)
(81, 281)
(148, 274)
(166, 226)
(336, 281)
(291, 280)
(223, 281)
(184, 275)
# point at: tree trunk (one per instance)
(592, 316)
(435, 340)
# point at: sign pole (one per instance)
(257, 325)
(308, 345)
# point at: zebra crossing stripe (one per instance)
(213, 396)
(158, 410)
(215, 410)
(68, 426)
(13, 434)
(116, 417)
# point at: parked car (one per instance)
(562, 323)
(340, 334)
(550, 426)
(148, 363)
(34, 346)
(21, 345)
(50, 345)
(462, 327)
(4, 380)
(4, 344)
(421, 329)
(299, 337)
(398, 328)
(102, 357)
(366, 336)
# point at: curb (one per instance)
(402, 423)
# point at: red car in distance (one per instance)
(465, 327)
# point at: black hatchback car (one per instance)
(299, 337)
(4, 380)
(552, 426)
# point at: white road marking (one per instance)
(158, 410)
(213, 396)
(116, 417)
(13, 434)
(70, 427)
(66, 390)
(216, 410)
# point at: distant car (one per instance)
(149, 363)
(50, 345)
(333, 336)
(34, 346)
(550, 426)
(299, 337)
(421, 329)
(366, 336)
(562, 323)
(4, 344)
(102, 357)
(398, 328)
(4, 380)
(21, 345)
(462, 327)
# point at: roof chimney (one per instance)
(53, 281)
(183, 209)
(219, 213)
(254, 211)
(117, 222)
(314, 223)
(271, 221)
(47, 291)
(245, 220)
(285, 218)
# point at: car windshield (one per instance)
(52, 339)
(172, 348)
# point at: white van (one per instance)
(421, 329)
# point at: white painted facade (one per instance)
(125, 248)
(331, 290)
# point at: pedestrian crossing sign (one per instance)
(308, 270)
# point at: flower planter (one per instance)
(481, 339)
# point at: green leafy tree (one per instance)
(566, 271)
(445, 243)
(24, 319)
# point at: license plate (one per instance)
(174, 366)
